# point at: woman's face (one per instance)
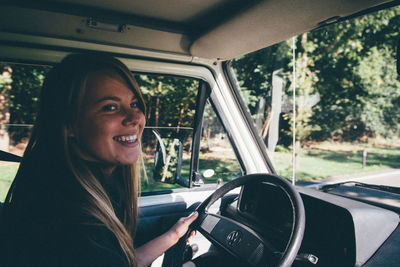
(111, 121)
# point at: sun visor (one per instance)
(270, 22)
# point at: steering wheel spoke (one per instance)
(236, 238)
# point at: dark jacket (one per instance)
(44, 226)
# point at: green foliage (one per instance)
(351, 65)
(21, 87)
(5, 77)
(356, 56)
(171, 102)
(381, 103)
(254, 72)
(173, 98)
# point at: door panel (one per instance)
(158, 213)
(157, 219)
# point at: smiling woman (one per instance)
(112, 120)
(170, 113)
(81, 166)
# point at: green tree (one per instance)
(381, 103)
(22, 95)
(343, 63)
(171, 102)
(348, 68)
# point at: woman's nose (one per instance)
(132, 116)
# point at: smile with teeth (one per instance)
(126, 138)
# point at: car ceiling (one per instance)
(212, 29)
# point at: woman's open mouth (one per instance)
(126, 139)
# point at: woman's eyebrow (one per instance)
(108, 98)
(115, 98)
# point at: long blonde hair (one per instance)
(60, 103)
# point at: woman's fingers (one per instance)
(182, 225)
(192, 217)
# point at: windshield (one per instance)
(333, 115)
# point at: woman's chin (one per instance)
(128, 161)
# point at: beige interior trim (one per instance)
(72, 27)
(270, 22)
(264, 24)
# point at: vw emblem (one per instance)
(234, 238)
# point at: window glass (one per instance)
(171, 106)
(170, 103)
(19, 95)
(347, 121)
(217, 161)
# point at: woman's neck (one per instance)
(108, 172)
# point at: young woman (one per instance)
(74, 199)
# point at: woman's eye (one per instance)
(137, 105)
(109, 107)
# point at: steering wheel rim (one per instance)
(206, 219)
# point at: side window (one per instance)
(171, 106)
(217, 161)
(19, 97)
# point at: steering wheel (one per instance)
(240, 240)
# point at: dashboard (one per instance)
(339, 231)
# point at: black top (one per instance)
(47, 231)
(70, 246)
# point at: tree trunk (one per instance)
(300, 100)
(149, 107)
(159, 90)
(181, 117)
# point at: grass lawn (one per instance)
(7, 174)
(225, 169)
(312, 164)
(318, 164)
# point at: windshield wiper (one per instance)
(386, 188)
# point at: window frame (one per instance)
(209, 73)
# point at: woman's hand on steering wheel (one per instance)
(182, 225)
